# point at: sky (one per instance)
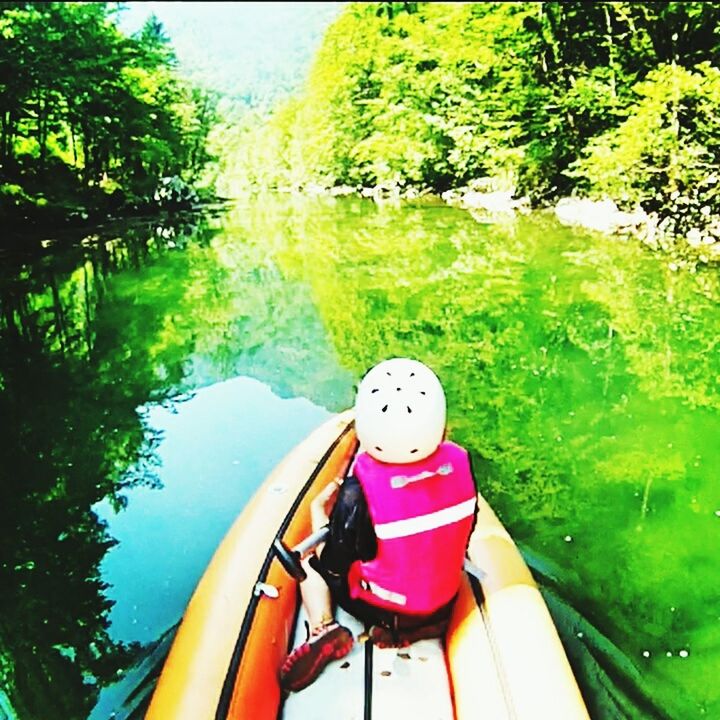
(239, 47)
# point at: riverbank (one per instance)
(27, 224)
(699, 245)
(31, 221)
(490, 201)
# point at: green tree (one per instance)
(108, 114)
(438, 95)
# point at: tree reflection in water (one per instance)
(71, 436)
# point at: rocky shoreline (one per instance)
(686, 242)
(700, 244)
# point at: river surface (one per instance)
(153, 373)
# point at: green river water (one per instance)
(152, 374)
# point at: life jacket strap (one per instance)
(400, 481)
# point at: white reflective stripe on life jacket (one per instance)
(423, 523)
(384, 593)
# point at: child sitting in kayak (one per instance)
(399, 525)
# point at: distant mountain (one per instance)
(253, 52)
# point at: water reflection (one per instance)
(86, 338)
(583, 373)
(216, 448)
(71, 437)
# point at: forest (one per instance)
(91, 120)
(547, 99)
(583, 373)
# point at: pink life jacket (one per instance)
(422, 513)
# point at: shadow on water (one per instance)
(129, 698)
(74, 438)
(124, 319)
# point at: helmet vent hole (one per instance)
(375, 390)
(409, 409)
(412, 374)
(422, 392)
(379, 449)
(398, 389)
(389, 374)
(413, 451)
(385, 409)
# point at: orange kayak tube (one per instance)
(225, 621)
(504, 654)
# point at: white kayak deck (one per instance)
(406, 682)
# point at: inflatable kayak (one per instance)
(501, 658)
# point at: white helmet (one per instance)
(400, 411)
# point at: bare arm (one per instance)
(321, 507)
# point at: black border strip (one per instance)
(229, 684)
(367, 712)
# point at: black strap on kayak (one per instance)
(229, 684)
(367, 714)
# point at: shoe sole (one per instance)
(333, 651)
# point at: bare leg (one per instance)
(328, 641)
(316, 598)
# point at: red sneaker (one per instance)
(307, 661)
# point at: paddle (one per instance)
(290, 557)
